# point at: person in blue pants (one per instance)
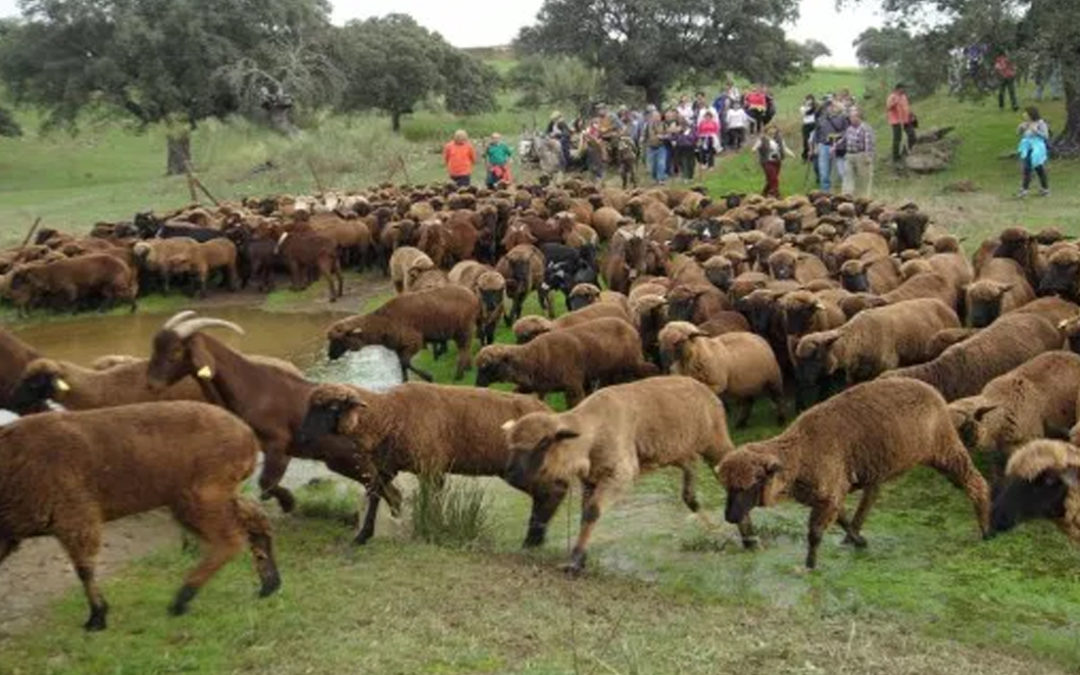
(831, 126)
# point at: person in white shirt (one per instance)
(771, 152)
(736, 121)
(685, 109)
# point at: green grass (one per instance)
(662, 593)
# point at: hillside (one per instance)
(108, 172)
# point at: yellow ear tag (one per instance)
(62, 386)
(205, 373)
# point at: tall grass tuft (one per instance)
(450, 512)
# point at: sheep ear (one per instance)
(982, 412)
(565, 433)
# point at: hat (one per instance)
(556, 115)
(495, 135)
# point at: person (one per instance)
(654, 140)
(1034, 151)
(558, 129)
(685, 109)
(832, 122)
(686, 150)
(757, 105)
(732, 93)
(497, 158)
(1006, 73)
(672, 127)
(858, 146)
(459, 157)
(846, 100)
(708, 135)
(898, 110)
(809, 111)
(736, 122)
(701, 106)
(771, 151)
(595, 151)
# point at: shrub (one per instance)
(449, 512)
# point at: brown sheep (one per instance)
(965, 368)
(999, 289)
(1034, 400)
(696, 302)
(310, 254)
(857, 440)
(66, 473)
(71, 279)
(625, 259)
(353, 238)
(450, 242)
(523, 269)
(571, 360)
(878, 275)
(402, 260)
(433, 429)
(78, 388)
(159, 256)
(1062, 276)
(724, 323)
(721, 271)
(943, 339)
(788, 264)
(924, 285)
(420, 278)
(1017, 243)
(1042, 480)
(615, 435)
(583, 295)
(886, 338)
(528, 327)
(15, 355)
(405, 322)
(220, 254)
(606, 221)
(736, 366)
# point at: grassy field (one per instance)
(662, 593)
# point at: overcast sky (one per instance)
(482, 23)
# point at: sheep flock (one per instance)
(662, 308)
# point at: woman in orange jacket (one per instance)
(459, 157)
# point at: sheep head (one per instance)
(984, 299)
(813, 357)
(752, 479)
(1062, 273)
(545, 447)
(583, 295)
(1041, 481)
(332, 409)
(41, 380)
(675, 339)
(528, 327)
(180, 350)
(967, 416)
(493, 364)
(782, 264)
(720, 271)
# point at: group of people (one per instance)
(839, 144)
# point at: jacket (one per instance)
(898, 108)
(459, 158)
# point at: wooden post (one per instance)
(33, 228)
(198, 183)
(315, 175)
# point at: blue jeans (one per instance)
(825, 166)
(657, 160)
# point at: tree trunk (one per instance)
(179, 153)
(395, 122)
(1068, 142)
(654, 93)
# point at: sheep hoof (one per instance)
(270, 584)
(572, 569)
(96, 621)
(857, 541)
(183, 597)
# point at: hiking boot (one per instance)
(1022, 194)
(1045, 192)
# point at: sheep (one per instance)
(1042, 480)
(696, 302)
(1033, 400)
(736, 366)
(65, 474)
(490, 288)
(625, 260)
(570, 360)
(78, 388)
(889, 337)
(583, 295)
(1062, 275)
(154, 256)
(523, 269)
(404, 259)
(405, 322)
(267, 394)
(310, 254)
(432, 428)
(1016, 243)
(220, 254)
(857, 440)
(422, 279)
(943, 339)
(72, 279)
(878, 275)
(790, 264)
(528, 327)
(15, 355)
(721, 271)
(724, 323)
(999, 289)
(965, 368)
(615, 435)
(924, 285)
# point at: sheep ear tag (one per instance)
(62, 386)
(507, 425)
(205, 373)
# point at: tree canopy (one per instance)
(653, 44)
(391, 63)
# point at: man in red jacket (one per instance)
(1006, 71)
(898, 110)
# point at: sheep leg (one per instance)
(406, 365)
(746, 406)
(82, 541)
(592, 501)
(822, 514)
(255, 523)
(464, 354)
(274, 465)
(776, 394)
(215, 523)
(854, 529)
(956, 465)
(367, 529)
(689, 496)
(545, 502)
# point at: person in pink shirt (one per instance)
(708, 133)
(898, 110)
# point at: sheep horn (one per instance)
(192, 326)
(177, 319)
